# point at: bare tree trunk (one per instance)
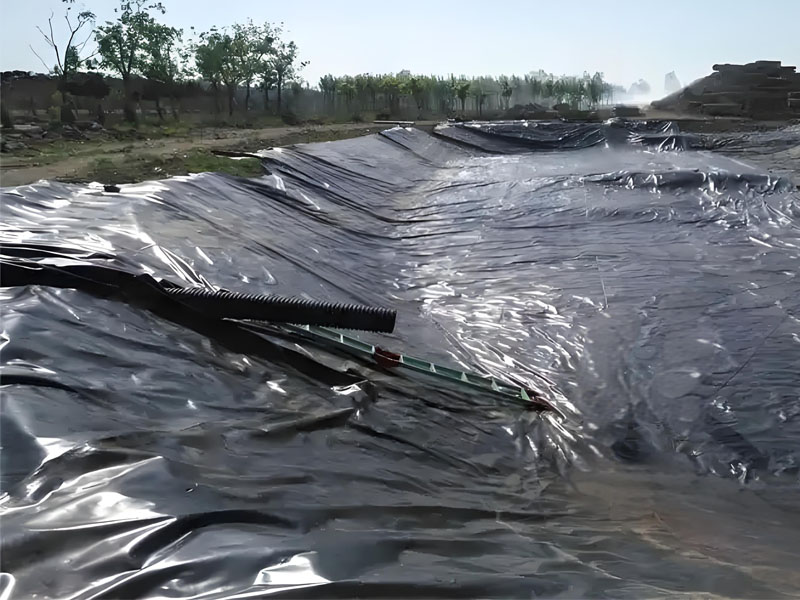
(5, 116)
(266, 99)
(128, 109)
(215, 86)
(231, 94)
(279, 86)
(67, 116)
(158, 109)
(247, 98)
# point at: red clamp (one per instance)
(386, 359)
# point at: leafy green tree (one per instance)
(537, 88)
(268, 81)
(390, 86)
(256, 43)
(235, 63)
(462, 91)
(595, 88)
(394, 93)
(417, 87)
(283, 64)
(223, 57)
(391, 91)
(208, 57)
(327, 85)
(297, 91)
(506, 91)
(478, 90)
(68, 56)
(347, 89)
(121, 44)
(516, 84)
(371, 89)
(162, 62)
(549, 88)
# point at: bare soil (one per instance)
(137, 160)
(113, 157)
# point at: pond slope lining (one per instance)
(646, 287)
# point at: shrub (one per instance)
(290, 118)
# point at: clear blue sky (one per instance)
(625, 39)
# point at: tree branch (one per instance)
(44, 35)
(122, 70)
(80, 46)
(50, 22)
(39, 57)
(53, 41)
(132, 42)
(69, 43)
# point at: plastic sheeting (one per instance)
(652, 295)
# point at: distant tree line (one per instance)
(255, 58)
(451, 95)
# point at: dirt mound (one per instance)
(624, 110)
(523, 112)
(764, 89)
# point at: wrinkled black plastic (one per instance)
(646, 287)
(512, 137)
(214, 304)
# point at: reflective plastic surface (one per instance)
(645, 286)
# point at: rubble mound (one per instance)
(531, 111)
(764, 89)
(624, 110)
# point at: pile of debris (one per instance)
(625, 111)
(764, 89)
(22, 136)
(529, 112)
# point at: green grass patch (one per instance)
(203, 161)
(133, 169)
(149, 129)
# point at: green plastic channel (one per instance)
(463, 378)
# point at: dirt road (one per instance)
(83, 156)
(110, 160)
